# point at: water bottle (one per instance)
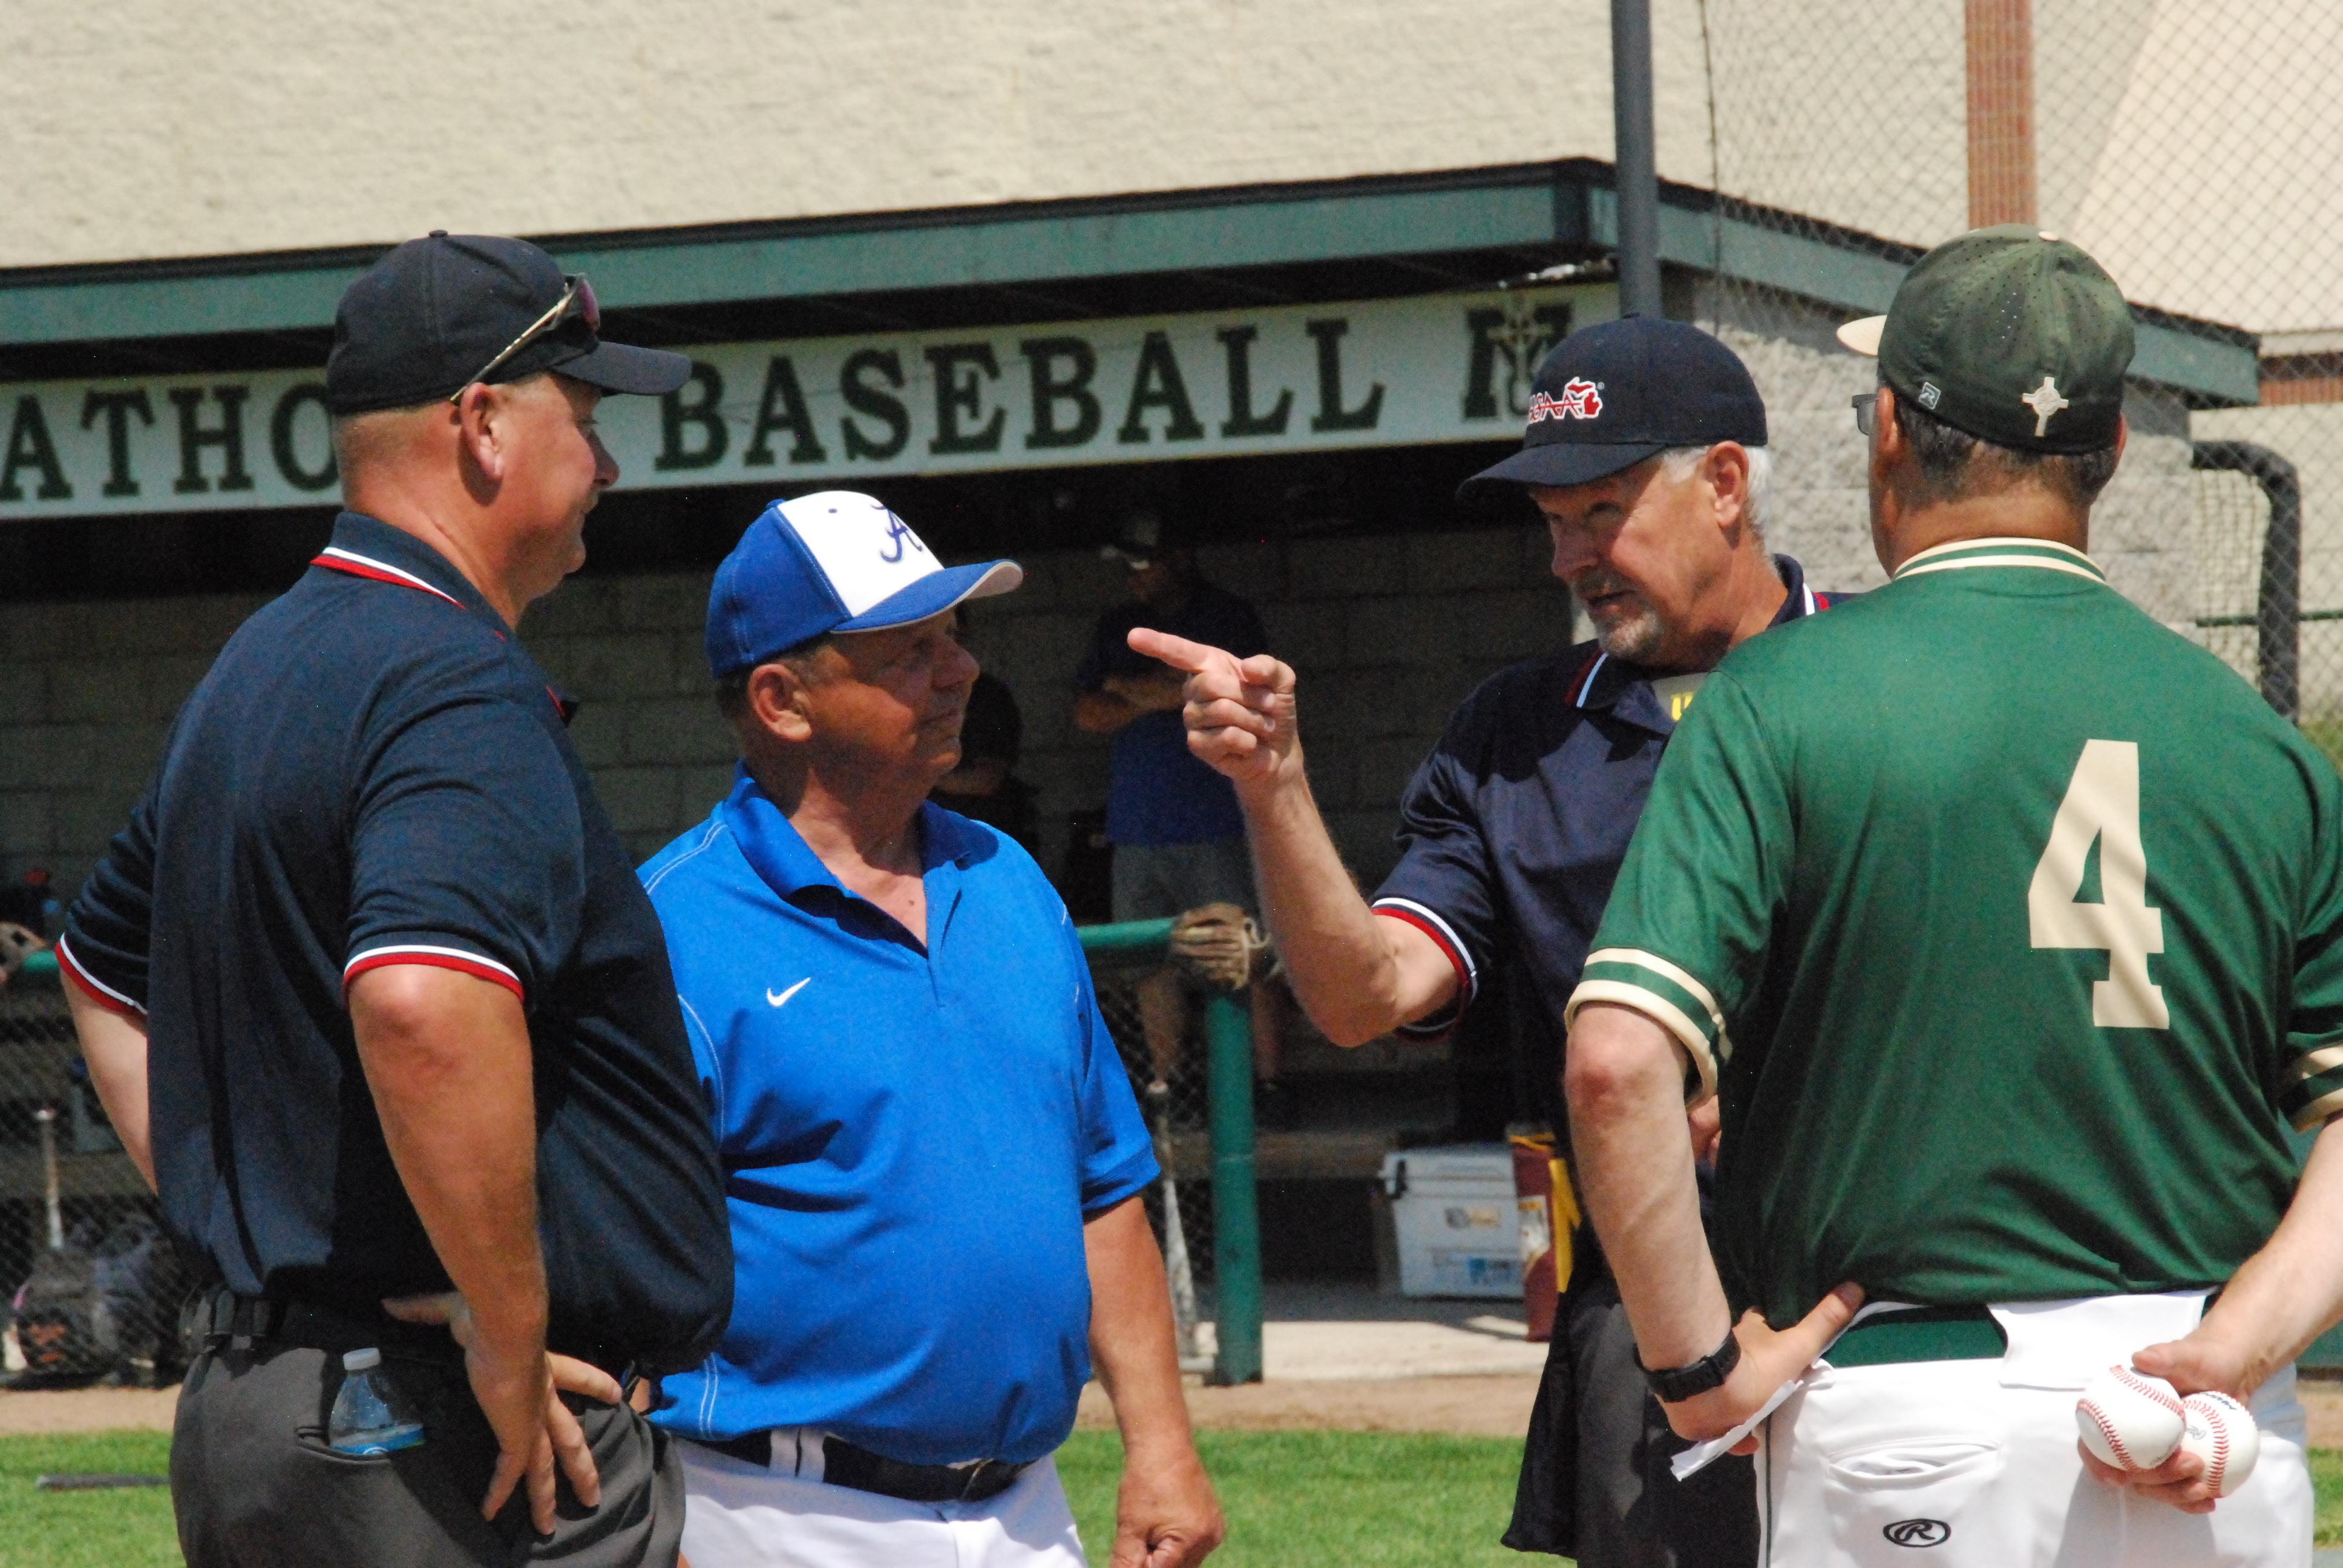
(369, 1416)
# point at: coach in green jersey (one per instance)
(2008, 925)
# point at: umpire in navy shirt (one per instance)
(418, 1079)
(1645, 452)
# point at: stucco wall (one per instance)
(154, 127)
(2174, 137)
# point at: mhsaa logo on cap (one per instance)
(1580, 399)
(868, 553)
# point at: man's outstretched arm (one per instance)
(1356, 974)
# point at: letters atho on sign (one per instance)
(1371, 372)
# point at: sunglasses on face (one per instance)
(578, 299)
(1866, 412)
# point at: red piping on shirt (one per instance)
(1578, 683)
(1448, 950)
(477, 969)
(87, 984)
(373, 571)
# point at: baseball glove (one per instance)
(16, 945)
(1217, 944)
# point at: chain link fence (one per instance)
(1170, 1075)
(95, 1290)
(94, 1287)
(2194, 150)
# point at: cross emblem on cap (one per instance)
(2044, 401)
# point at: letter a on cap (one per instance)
(868, 553)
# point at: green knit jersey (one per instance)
(2009, 927)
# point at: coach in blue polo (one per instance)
(930, 1149)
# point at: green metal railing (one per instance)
(1236, 1214)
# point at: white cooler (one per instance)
(1457, 1221)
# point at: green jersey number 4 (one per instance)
(2102, 806)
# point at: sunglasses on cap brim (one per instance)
(577, 299)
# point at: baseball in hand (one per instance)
(2130, 1420)
(2219, 1430)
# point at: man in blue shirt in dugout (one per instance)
(932, 1153)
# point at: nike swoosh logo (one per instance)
(777, 998)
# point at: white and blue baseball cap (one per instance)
(834, 561)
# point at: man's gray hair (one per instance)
(1679, 462)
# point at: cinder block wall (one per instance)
(1388, 634)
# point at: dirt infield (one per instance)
(1474, 1406)
(26, 1413)
(1480, 1406)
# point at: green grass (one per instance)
(2327, 1476)
(1294, 1500)
(128, 1529)
(2327, 734)
(1329, 1498)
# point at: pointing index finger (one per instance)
(1195, 657)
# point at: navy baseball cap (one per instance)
(1611, 395)
(834, 561)
(423, 322)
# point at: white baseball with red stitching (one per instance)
(2219, 1430)
(2129, 1419)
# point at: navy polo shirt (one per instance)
(912, 1136)
(375, 773)
(1159, 791)
(1512, 830)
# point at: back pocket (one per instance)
(1909, 1502)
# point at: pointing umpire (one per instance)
(1646, 453)
(405, 1012)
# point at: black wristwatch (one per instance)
(1680, 1383)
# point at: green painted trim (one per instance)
(2225, 372)
(116, 310)
(1557, 204)
(1104, 245)
(975, 252)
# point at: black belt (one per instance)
(844, 1463)
(219, 1318)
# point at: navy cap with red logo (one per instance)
(438, 312)
(1611, 395)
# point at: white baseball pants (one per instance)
(1973, 1464)
(740, 1515)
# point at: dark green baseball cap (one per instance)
(2010, 334)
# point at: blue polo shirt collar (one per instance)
(1624, 690)
(781, 857)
